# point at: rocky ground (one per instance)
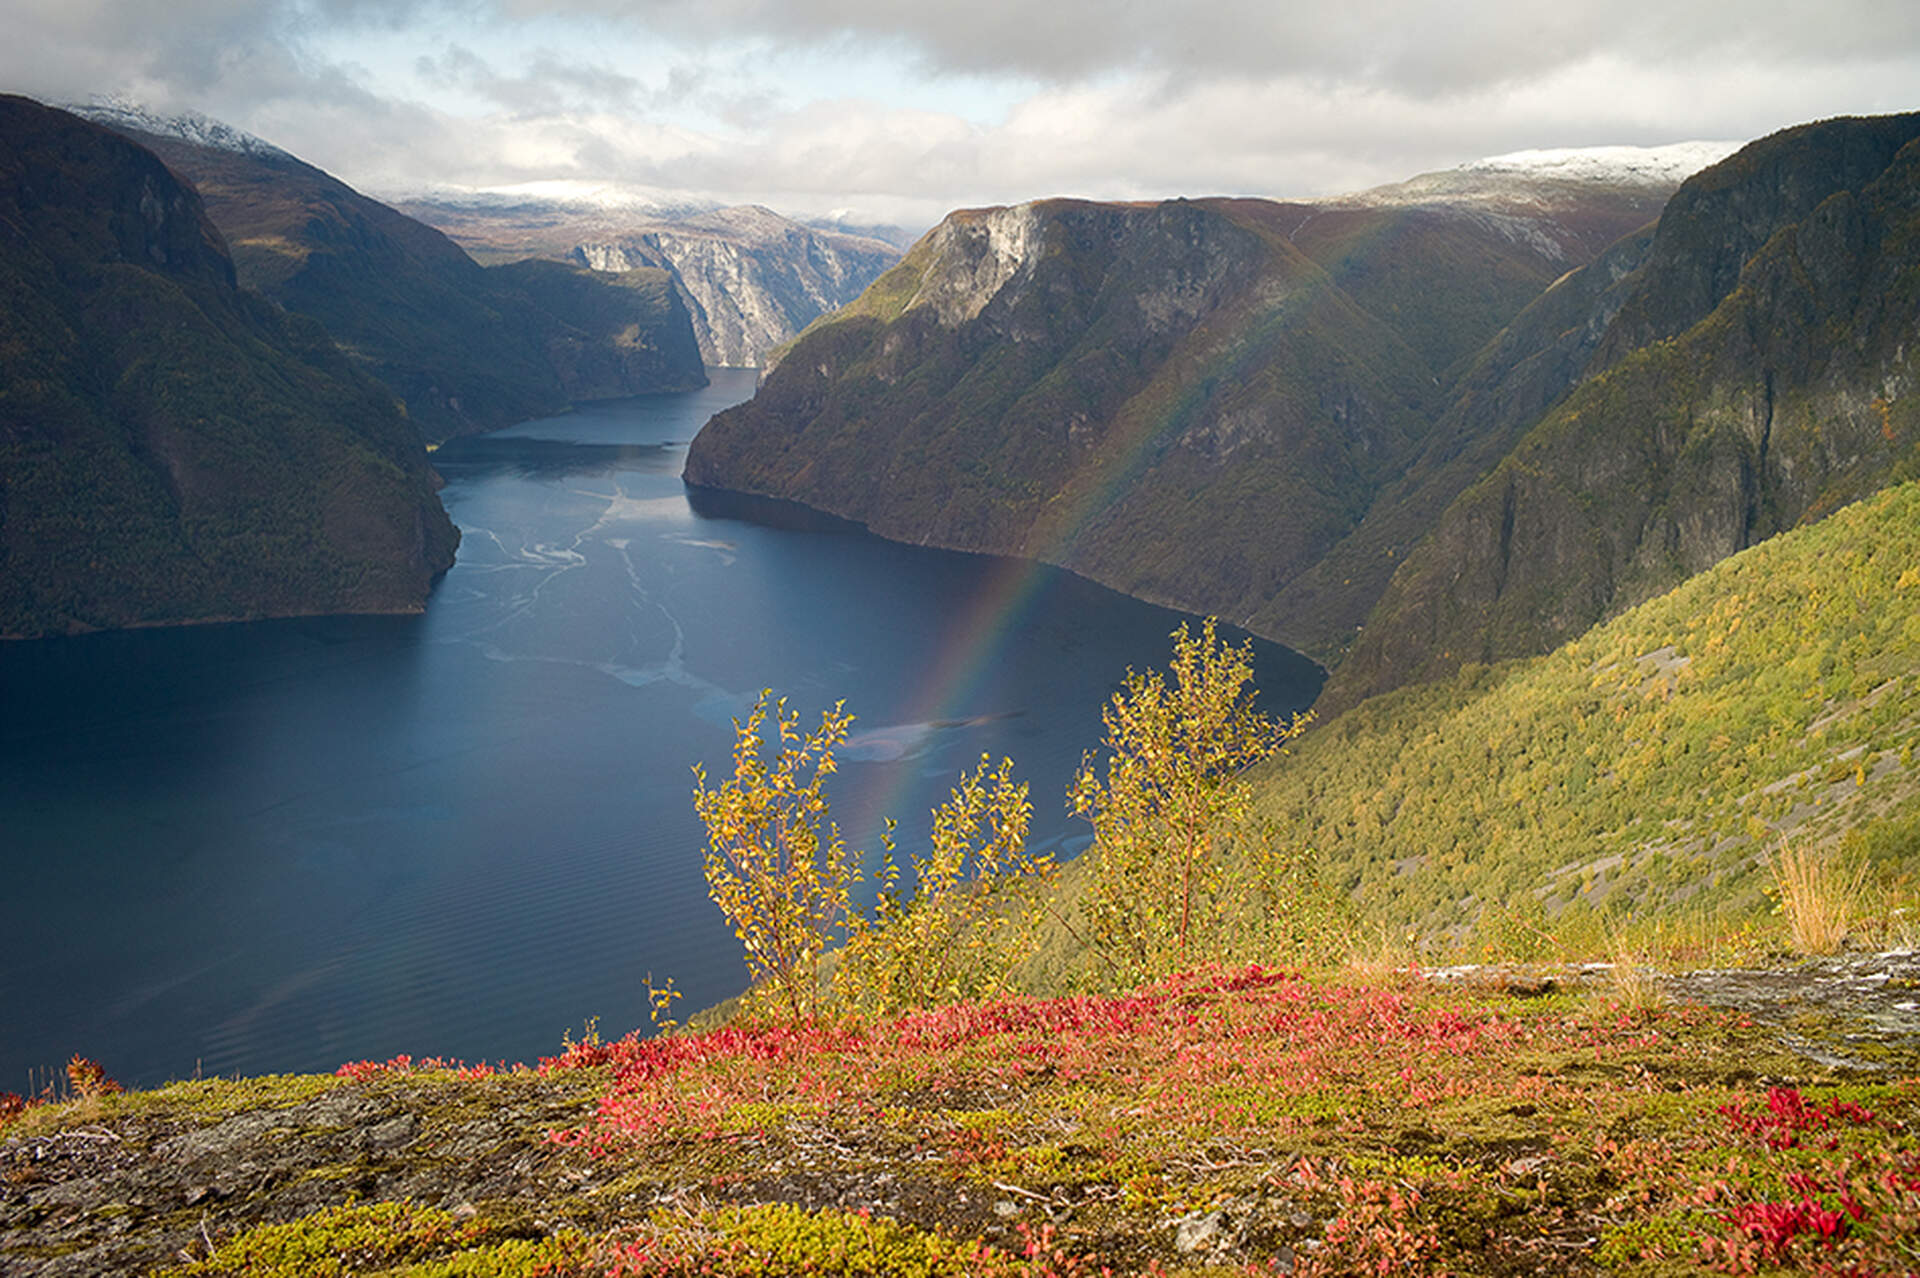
(1101, 1127)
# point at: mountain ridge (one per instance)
(467, 348)
(751, 278)
(174, 448)
(1019, 442)
(1697, 423)
(1469, 312)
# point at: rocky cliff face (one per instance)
(1196, 401)
(173, 448)
(466, 348)
(1754, 372)
(751, 278)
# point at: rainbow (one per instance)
(1222, 352)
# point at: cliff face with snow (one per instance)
(752, 279)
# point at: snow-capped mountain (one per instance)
(1650, 165)
(1534, 175)
(189, 126)
(570, 196)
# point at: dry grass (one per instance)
(1820, 899)
(1383, 957)
(1631, 978)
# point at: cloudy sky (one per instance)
(892, 110)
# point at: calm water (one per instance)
(287, 845)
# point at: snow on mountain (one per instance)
(189, 126)
(1648, 165)
(1531, 176)
(558, 195)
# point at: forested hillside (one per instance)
(174, 448)
(1650, 766)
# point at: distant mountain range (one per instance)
(1452, 420)
(219, 365)
(466, 347)
(751, 278)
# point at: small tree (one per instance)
(776, 864)
(957, 935)
(1172, 797)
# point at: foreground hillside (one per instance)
(173, 448)
(466, 348)
(1650, 766)
(1228, 1121)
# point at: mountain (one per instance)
(467, 348)
(172, 447)
(750, 278)
(1193, 401)
(1748, 370)
(1647, 767)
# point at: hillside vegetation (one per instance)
(172, 447)
(1649, 766)
(1216, 1118)
(1230, 1121)
(1752, 373)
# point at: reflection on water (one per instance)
(286, 845)
(552, 458)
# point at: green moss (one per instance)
(778, 1238)
(564, 1252)
(338, 1241)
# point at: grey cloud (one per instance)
(549, 84)
(1413, 45)
(1123, 100)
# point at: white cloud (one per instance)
(902, 111)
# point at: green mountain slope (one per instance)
(1512, 380)
(468, 348)
(1651, 762)
(1191, 401)
(1697, 423)
(171, 447)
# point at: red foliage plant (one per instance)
(1853, 1213)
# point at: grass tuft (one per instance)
(1819, 898)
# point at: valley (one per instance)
(381, 571)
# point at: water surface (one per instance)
(287, 845)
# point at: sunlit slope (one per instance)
(1651, 762)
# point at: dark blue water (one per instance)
(287, 845)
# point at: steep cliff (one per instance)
(1195, 401)
(1755, 372)
(1137, 392)
(467, 348)
(173, 448)
(752, 279)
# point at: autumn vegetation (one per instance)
(1207, 1046)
